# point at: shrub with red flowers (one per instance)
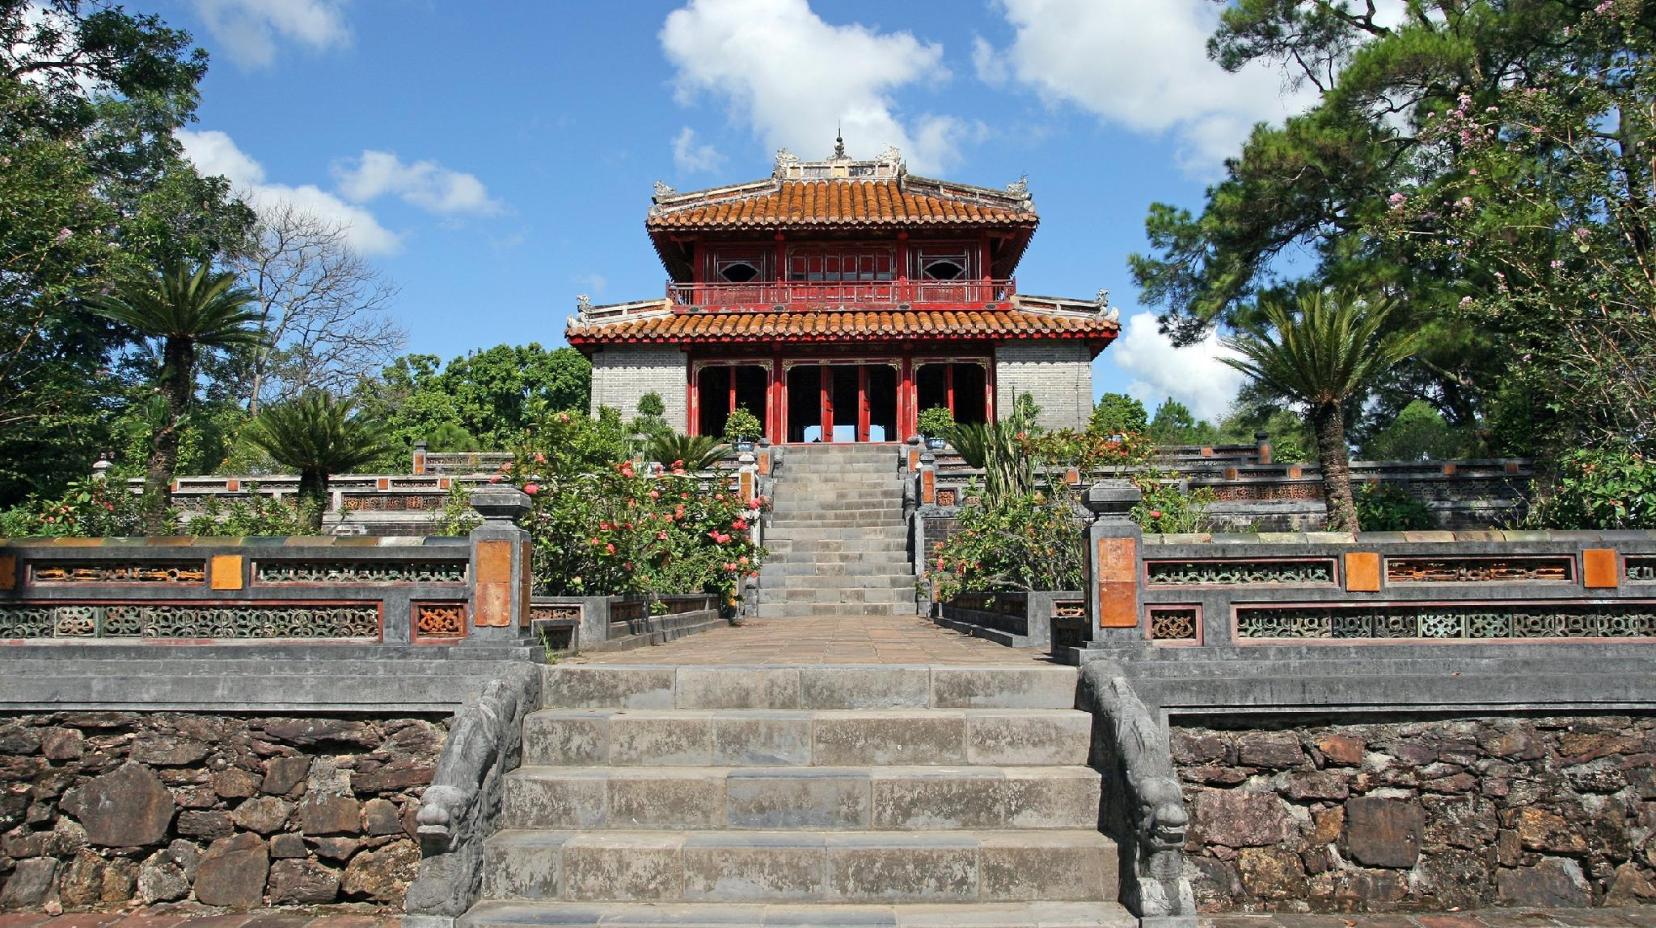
(88, 508)
(603, 524)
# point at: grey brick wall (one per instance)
(621, 375)
(1057, 374)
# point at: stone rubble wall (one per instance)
(103, 810)
(1426, 814)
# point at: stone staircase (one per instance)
(741, 796)
(838, 544)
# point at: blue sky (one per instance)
(495, 164)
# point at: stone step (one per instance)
(800, 505)
(788, 552)
(800, 866)
(839, 517)
(891, 532)
(837, 576)
(802, 738)
(826, 686)
(881, 798)
(832, 610)
(801, 594)
(500, 914)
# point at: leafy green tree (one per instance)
(1174, 424)
(94, 192)
(1324, 356)
(1418, 433)
(318, 436)
(188, 309)
(1118, 414)
(1327, 183)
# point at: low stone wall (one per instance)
(1422, 814)
(102, 809)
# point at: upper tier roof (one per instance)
(841, 193)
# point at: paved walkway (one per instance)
(1487, 918)
(890, 639)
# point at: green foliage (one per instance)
(692, 453)
(650, 404)
(1174, 424)
(997, 449)
(1418, 433)
(936, 422)
(1599, 488)
(742, 424)
(1385, 507)
(318, 436)
(490, 399)
(1026, 410)
(87, 509)
(93, 194)
(1026, 541)
(1118, 414)
(457, 518)
(1169, 509)
(256, 515)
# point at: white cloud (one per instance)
(215, 154)
(425, 184)
(250, 29)
(1142, 66)
(1193, 375)
(692, 157)
(792, 78)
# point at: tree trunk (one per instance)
(313, 498)
(177, 384)
(1335, 461)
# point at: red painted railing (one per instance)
(817, 295)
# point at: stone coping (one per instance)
(250, 541)
(1380, 538)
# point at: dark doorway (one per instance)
(722, 388)
(961, 388)
(843, 402)
(805, 403)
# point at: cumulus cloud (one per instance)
(1193, 375)
(792, 77)
(216, 154)
(249, 30)
(1141, 66)
(425, 184)
(691, 156)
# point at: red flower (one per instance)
(604, 526)
(531, 488)
(495, 479)
(655, 494)
(1155, 513)
(677, 465)
(661, 536)
(627, 566)
(739, 525)
(609, 548)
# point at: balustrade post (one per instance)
(1262, 445)
(501, 578)
(926, 488)
(1114, 543)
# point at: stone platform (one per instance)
(861, 639)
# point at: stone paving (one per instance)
(1487, 918)
(885, 639)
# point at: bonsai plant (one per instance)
(936, 423)
(742, 429)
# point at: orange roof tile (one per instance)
(841, 325)
(807, 203)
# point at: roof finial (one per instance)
(839, 143)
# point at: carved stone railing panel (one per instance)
(1640, 569)
(1297, 572)
(1010, 604)
(1478, 569)
(1175, 623)
(399, 502)
(363, 571)
(1472, 621)
(560, 612)
(97, 572)
(169, 621)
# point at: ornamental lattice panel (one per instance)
(190, 572)
(339, 571)
(1281, 572)
(1480, 621)
(1175, 623)
(1478, 569)
(162, 622)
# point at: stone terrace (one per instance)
(886, 639)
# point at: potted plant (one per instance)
(742, 429)
(935, 424)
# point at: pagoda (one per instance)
(835, 300)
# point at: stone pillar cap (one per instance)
(1113, 498)
(498, 503)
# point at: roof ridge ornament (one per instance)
(663, 190)
(1020, 187)
(583, 304)
(839, 145)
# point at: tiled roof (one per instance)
(841, 325)
(815, 203)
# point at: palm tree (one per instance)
(694, 452)
(318, 436)
(1323, 356)
(188, 309)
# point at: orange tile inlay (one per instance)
(226, 572)
(8, 572)
(1362, 572)
(1117, 583)
(1600, 569)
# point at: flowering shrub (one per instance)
(1384, 507)
(256, 515)
(1600, 488)
(1026, 542)
(604, 525)
(88, 508)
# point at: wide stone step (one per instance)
(500, 914)
(800, 866)
(832, 610)
(826, 686)
(800, 504)
(891, 519)
(859, 596)
(875, 545)
(831, 532)
(794, 738)
(882, 798)
(837, 576)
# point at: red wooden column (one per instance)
(776, 425)
(825, 388)
(903, 295)
(948, 384)
(693, 427)
(862, 402)
(907, 399)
